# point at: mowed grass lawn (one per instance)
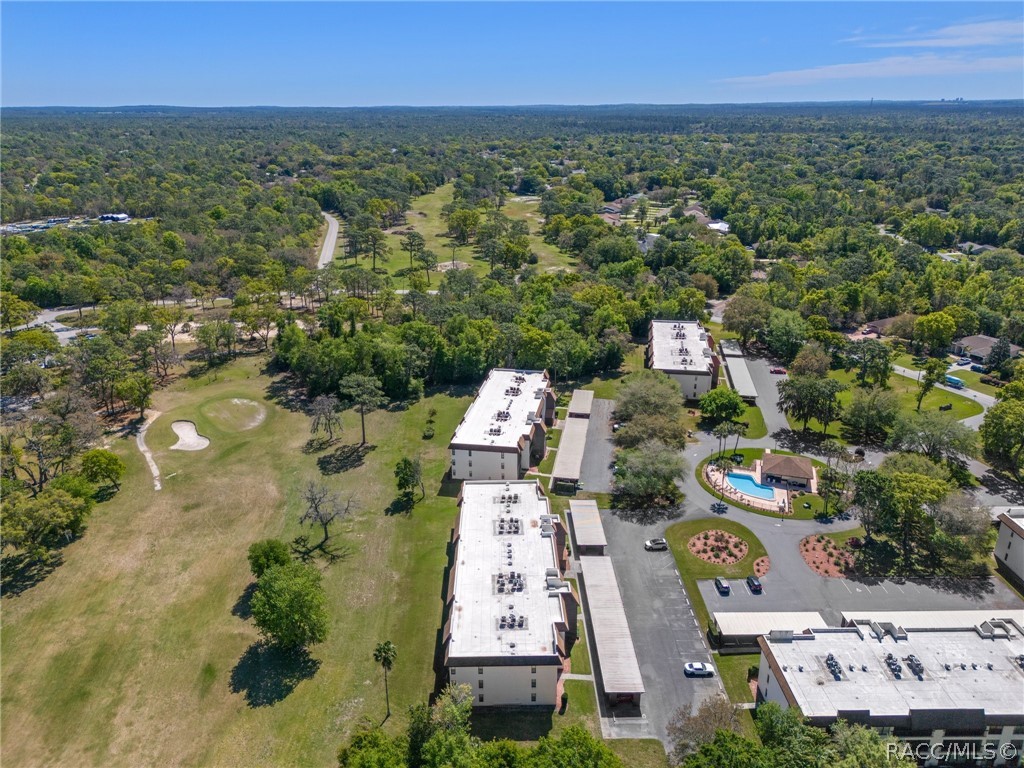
(129, 653)
(906, 390)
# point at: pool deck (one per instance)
(717, 479)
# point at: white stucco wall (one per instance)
(487, 465)
(1010, 550)
(505, 686)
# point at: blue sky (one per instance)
(352, 54)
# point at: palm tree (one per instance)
(384, 654)
(740, 430)
(722, 431)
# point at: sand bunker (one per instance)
(254, 412)
(188, 438)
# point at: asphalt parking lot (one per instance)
(661, 621)
(832, 596)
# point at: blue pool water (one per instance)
(746, 484)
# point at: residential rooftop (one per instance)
(962, 670)
(506, 407)
(506, 573)
(679, 346)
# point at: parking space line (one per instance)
(843, 582)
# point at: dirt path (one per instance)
(140, 440)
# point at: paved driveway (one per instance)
(595, 473)
(665, 632)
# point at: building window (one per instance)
(479, 683)
(533, 697)
(533, 683)
(479, 670)
(454, 670)
(533, 670)
(470, 453)
(1006, 556)
(471, 473)
(480, 698)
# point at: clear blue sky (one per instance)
(351, 54)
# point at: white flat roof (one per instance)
(483, 554)
(582, 401)
(934, 619)
(739, 377)
(620, 672)
(748, 623)
(504, 409)
(679, 345)
(997, 691)
(731, 348)
(569, 456)
(586, 523)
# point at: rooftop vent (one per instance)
(894, 666)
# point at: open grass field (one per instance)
(139, 639)
(138, 650)
(906, 389)
(732, 668)
(692, 568)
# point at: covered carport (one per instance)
(740, 379)
(581, 404)
(569, 459)
(587, 529)
(615, 657)
(739, 631)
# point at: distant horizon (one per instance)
(551, 105)
(420, 54)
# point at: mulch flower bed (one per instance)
(718, 547)
(761, 566)
(825, 557)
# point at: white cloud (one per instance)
(976, 34)
(892, 66)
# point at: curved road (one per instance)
(330, 241)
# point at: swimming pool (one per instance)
(746, 484)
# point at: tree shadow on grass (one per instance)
(329, 551)
(449, 487)
(19, 572)
(266, 674)
(243, 605)
(344, 458)
(401, 505)
(285, 391)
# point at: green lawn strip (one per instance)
(554, 437)
(733, 670)
(581, 651)
(719, 332)
(753, 417)
(749, 456)
(548, 463)
(640, 753)
(973, 381)
(692, 568)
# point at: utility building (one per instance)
(511, 618)
(505, 427)
(685, 351)
(937, 689)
